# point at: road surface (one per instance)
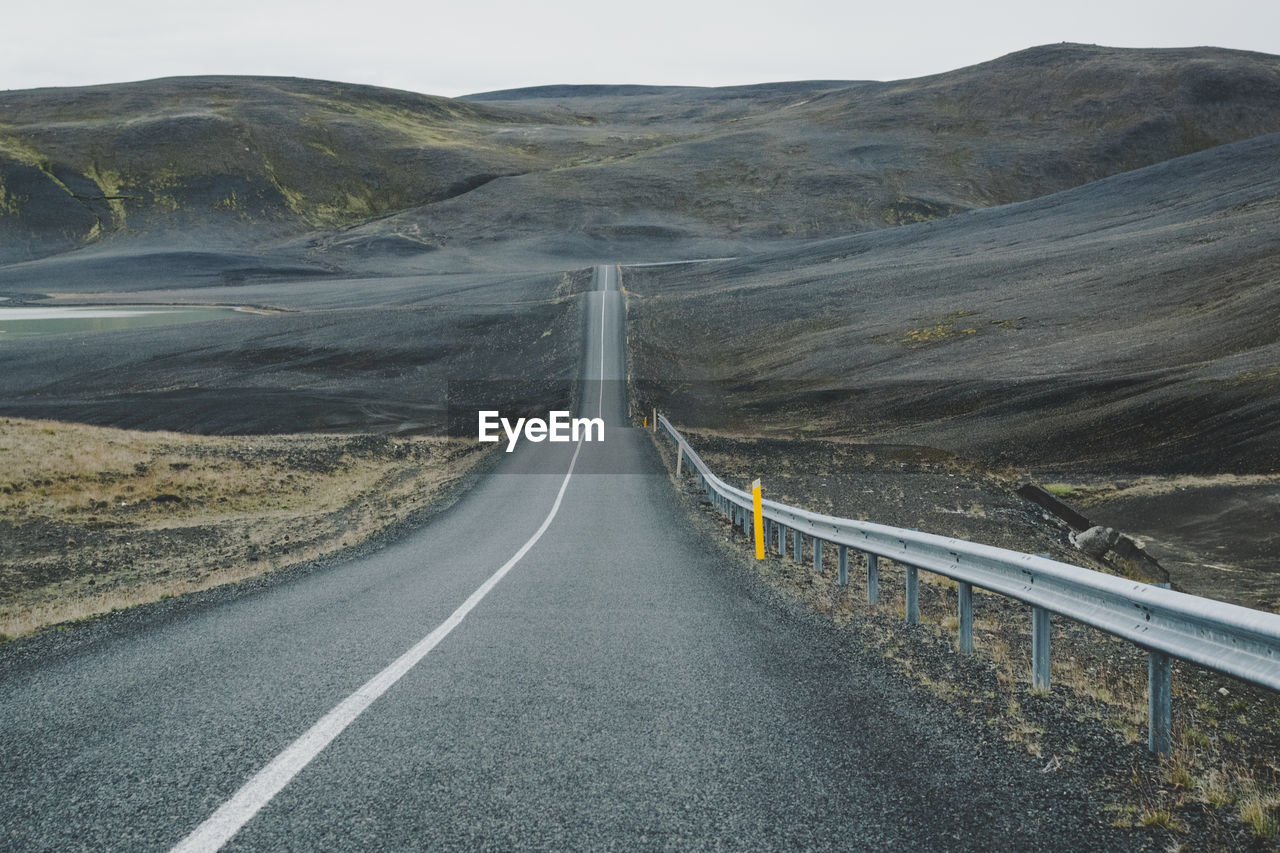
(557, 662)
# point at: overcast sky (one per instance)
(462, 46)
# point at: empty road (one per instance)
(559, 661)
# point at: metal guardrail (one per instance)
(1234, 640)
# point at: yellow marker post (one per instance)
(759, 513)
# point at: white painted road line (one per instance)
(258, 791)
(603, 298)
(223, 824)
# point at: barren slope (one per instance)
(275, 155)
(323, 176)
(1125, 325)
(765, 164)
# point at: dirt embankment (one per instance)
(95, 519)
(1220, 789)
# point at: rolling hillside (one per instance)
(254, 155)
(1129, 324)
(351, 177)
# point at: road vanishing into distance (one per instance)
(559, 661)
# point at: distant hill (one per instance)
(266, 156)
(577, 92)
(1126, 325)
(354, 172)
(742, 167)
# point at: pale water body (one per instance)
(26, 322)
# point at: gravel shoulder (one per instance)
(1220, 790)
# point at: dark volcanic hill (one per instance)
(868, 155)
(357, 177)
(1126, 325)
(274, 155)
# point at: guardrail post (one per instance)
(913, 595)
(873, 579)
(843, 553)
(797, 543)
(1039, 648)
(679, 460)
(757, 519)
(1159, 703)
(782, 544)
(817, 555)
(964, 600)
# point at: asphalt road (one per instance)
(618, 687)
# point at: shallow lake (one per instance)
(21, 322)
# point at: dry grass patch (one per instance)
(95, 519)
(1089, 494)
